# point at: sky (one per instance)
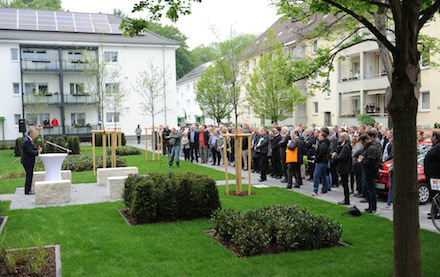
(210, 21)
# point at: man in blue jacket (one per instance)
(28, 154)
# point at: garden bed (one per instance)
(30, 262)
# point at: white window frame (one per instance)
(75, 115)
(111, 116)
(112, 86)
(111, 56)
(17, 54)
(13, 89)
(315, 106)
(75, 88)
(358, 98)
(421, 101)
(422, 65)
(36, 87)
(315, 46)
(16, 120)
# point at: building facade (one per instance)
(45, 73)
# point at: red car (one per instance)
(383, 180)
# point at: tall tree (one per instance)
(150, 85)
(212, 95)
(270, 92)
(33, 4)
(408, 16)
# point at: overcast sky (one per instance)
(244, 16)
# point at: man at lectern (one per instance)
(28, 154)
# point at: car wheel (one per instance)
(424, 193)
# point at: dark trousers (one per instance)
(344, 181)
(334, 172)
(311, 166)
(294, 169)
(283, 163)
(215, 156)
(358, 175)
(256, 160)
(371, 190)
(186, 153)
(352, 179)
(263, 166)
(29, 168)
(138, 139)
(276, 164)
(194, 149)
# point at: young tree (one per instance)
(270, 92)
(115, 97)
(408, 17)
(150, 85)
(212, 95)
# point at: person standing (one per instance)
(370, 160)
(194, 143)
(357, 149)
(28, 154)
(283, 146)
(185, 146)
(255, 138)
(343, 161)
(203, 144)
(138, 132)
(174, 138)
(54, 122)
(276, 157)
(321, 163)
(310, 149)
(165, 140)
(432, 158)
(214, 146)
(262, 148)
(245, 150)
(293, 159)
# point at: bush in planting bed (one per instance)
(164, 197)
(7, 145)
(83, 163)
(125, 151)
(73, 144)
(18, 147)
(285, 226)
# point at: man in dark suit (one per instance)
(295, 167)
(343, 160)
(28, 154)
(276, 157)
(262, 148)
(193, 136)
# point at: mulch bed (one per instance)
(272, 249)
(22, 267)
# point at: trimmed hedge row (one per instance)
(7, 145)
(72, 143)
(83, 163)
(287, 226)
(98, 139)
(125, 151)
(165, 197)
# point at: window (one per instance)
(31, 118)
(16, 87)
(43, 117)
(356, 105)
(28, 54)
(32, 88)
(315, 46)
(14, 54)
(41, 55)
(16, 119)
(29, 88)
(424, 101)
(255, 62)
(111, 87)
(111, 57)
(424, 59)
(315, 78)
(315, 107)
(112, 117)
(78, 118)
(75, 56)
(43, 88)
(34, 55)
(247, 65)
(76, 88)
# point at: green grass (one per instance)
(95, 241)
(10, 165)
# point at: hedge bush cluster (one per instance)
(7, 145)
(83, 163)
(125, 151)
(286, 226)
(72, 143)
(98, 139)
(164, 197)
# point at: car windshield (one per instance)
(422, 149)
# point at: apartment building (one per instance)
(45, 71)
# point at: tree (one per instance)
(270, 92)
(115, 96)
(203, 54)
(38, 106)
(408, 18)
(150, 85)
(212, 95)
(33, 4)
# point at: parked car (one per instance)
(425, 193)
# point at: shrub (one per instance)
(163, 197)
(436, 125)
(366, 119)
(287, 226)
(7, 145)
(18, 147)
(123, 139)
(83, 163)
(98, 139)
(125, 151)
(61, 141)
(73, 144)
(50, 148)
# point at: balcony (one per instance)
(40, 65)
(43, 99)
(80, 131)
(81, 99)
(75, 65)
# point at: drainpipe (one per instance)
(61, 81)
(164, 85)
(22, 88)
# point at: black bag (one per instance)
(354, 211)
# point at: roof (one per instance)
(195, 73)
(69, 26)
(286, 32)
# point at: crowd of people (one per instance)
(346, 156)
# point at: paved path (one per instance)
(92, 193)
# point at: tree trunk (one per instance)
(403, 109)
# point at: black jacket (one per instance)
(432, 162)
(29, 152)
(275, 147)
(371, 161)
(196, 137)
(283, 142)
(343, 158)
(309, 142)
(298, 143)
(263, 148)
(205, 136)
(322, 152)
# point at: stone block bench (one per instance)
(115, 187)
(39, 176)
(52, 192)
(104, 173)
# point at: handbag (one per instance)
(292, 155)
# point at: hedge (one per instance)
(125, 151)
(82, 163)
(98, 139)
(165, 197)
(7, 145)
(73, 144)
(287, 226)
(18, 147)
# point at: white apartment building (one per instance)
(43, 71)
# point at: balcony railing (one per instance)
(70, 130)
(76, 65)
(46, 65)
(53, 99)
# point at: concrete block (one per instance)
(115, 187)
(52, 192)
(104, 173)
(39, 176)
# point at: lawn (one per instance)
(12, 165)
(96, 241)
